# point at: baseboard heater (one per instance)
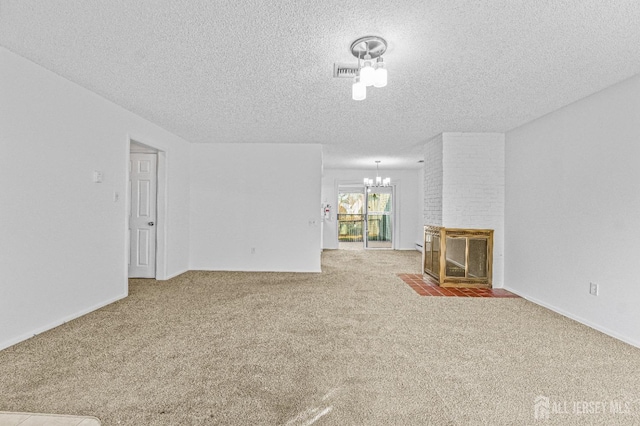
(458, 257)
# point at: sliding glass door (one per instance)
(351, 207)
(379, 218)
(365, 218)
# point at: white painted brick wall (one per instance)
(433, 181)
(473, 180)
(464, 186)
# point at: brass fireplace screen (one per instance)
(458, 257)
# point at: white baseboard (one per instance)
(52, 325)
(588, 323)
(279, 271)
(173, 275)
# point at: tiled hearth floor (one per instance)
(427, 287)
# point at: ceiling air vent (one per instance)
(341, 70)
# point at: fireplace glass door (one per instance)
(456, 264)
(458, 257)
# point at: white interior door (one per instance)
(142, 215)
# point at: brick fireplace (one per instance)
(464, 188)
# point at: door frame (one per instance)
(394, 205)
(161, 204)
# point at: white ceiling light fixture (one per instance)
(368, 183)
(367, 73)
(358, 89)
(368, 49)
(380, 79)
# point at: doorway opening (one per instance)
(365, 218)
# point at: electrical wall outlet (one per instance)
(593, 289)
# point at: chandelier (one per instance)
(368, 183)
(367, 72)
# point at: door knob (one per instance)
(150, 224)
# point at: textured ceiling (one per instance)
(261, 71)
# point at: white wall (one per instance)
(408, 202)
(62, 237)
(473, 188)
(262, 196)
(573, 210)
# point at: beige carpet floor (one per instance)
(39, 419)
(353, 345)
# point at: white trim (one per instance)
(139, 148)
(184, 271)
(59, 322)
(575, 318)
(127, 203)
(161, 216)
(279, 271)
(396, 214)
(336, 192)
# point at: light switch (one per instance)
(97, 176)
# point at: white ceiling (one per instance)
(261, 71)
